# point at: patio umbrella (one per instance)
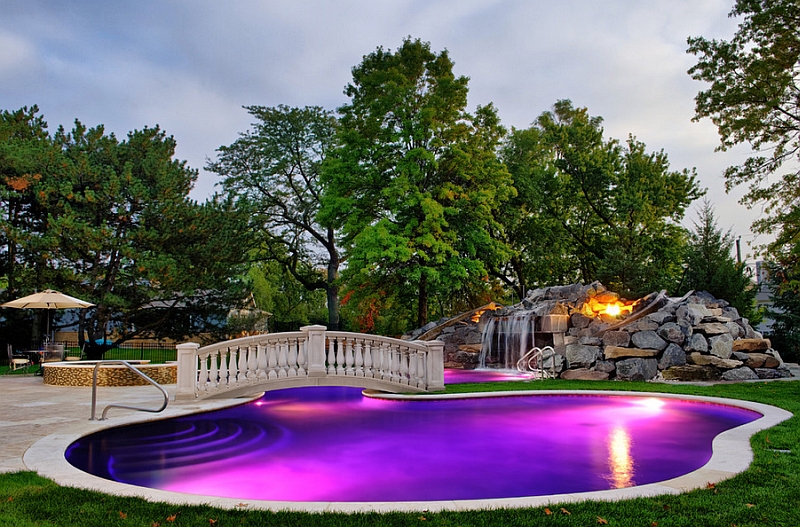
(47, 299)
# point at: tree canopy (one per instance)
(415, 182)
(753, 98)
(591, 208)
(111, 222)
(274, 171)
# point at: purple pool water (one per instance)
(333, 444)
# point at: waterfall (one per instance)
(506, 339)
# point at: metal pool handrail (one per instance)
(137, 372)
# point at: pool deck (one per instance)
(39, 421)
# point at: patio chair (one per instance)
(16, 362)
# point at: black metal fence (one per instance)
(154, 352)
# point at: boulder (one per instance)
(672, 356)
(731, 313)
(472, 348)
(582, 374)
(648, 340)
(735, 330)
(671, 332)
(761, 360)
(697, 342)
(605, 366)
(692, 313)
(580, 321)
(662, 317)
(644, 324)
(721, 345)
(552, 361)
(580, 356)
(616, 338)
(712, 328)
(591, 341)
(691, 372)
(767, 373)
(616, 352)
(637, 369)
(739, 355)
(749, 345)
(775, 354)
(713, 360)
(740, 374)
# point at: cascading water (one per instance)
(505, 339)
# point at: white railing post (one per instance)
(434, 365)
(187, 370)
(316, 350)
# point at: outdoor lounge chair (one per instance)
(16, 362)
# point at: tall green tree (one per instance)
(115, 226)
(275, 169)
(710, 266)
(599, 209)
(784, 285)
(416, 182)
(753, 99)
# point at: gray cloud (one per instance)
(190, 66)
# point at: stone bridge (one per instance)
(312, 356)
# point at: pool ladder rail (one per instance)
(137, 372)
(532, 363)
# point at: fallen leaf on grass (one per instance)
(211, 521)
(155, 524)
(422, 518)
(602, 521)
(749, 505)
(172, 518)
(241, 505)
(10, 499)
(122, 515)
(565, 511)
(548, 511)
(654, 524)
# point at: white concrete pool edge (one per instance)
(731, 455)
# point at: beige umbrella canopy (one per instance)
(47, 299)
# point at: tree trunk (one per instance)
(332, 288)
(422, 313)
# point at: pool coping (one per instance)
(732, 455)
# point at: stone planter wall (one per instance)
(80, 374)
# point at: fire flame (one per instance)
(615, 308)
(491, 306)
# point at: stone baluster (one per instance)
(272, 360)
(302, 353)
(412, 367)
(349, 358)
(247, 363)
(395, 354)
(261, 362)
(252, 364)
(340, 363)
(368, 372)
(404, 366)
(223, 368)
(283, 366)
(331, 356)
(358, 350)
(292, 358)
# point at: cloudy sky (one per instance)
(190, 65)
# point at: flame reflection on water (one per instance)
(619, 458)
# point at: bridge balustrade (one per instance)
(312, 356)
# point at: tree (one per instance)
(114, 225)
(784, 285)
(275, 170)
(710, 266)
(415, 182)
(597, 210)
(753, 99)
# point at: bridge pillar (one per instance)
(435, 365)
(187, 370)
(316, 350)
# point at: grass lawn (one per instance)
(768, 493)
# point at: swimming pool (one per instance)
(335, 445)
